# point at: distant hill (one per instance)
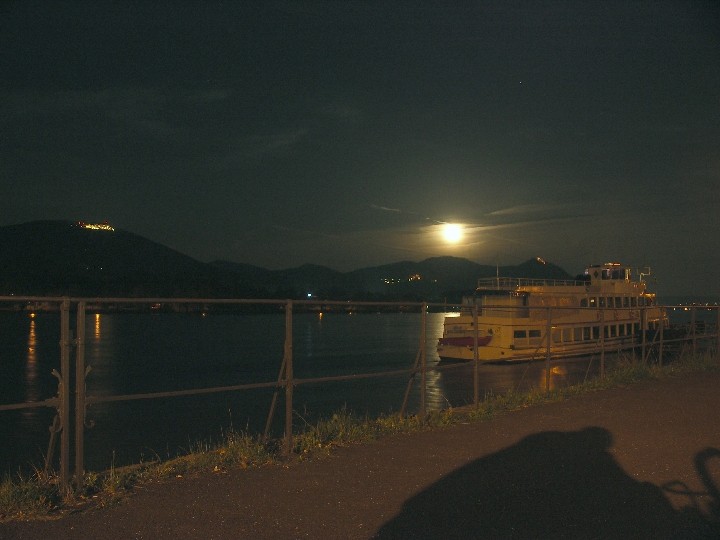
(63, 258)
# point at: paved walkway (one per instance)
(636, 462)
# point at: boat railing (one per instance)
(509, 284)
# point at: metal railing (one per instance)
(71, 419)
(508, 283)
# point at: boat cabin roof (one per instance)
(595, 274)
(615, 271)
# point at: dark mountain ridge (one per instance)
(57, 258)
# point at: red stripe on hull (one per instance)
(465, 341)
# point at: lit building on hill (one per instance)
(104, 226)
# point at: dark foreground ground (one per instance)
(635, 462)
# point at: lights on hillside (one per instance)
(410, 278)
(104, 226)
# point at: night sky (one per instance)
(348, 134)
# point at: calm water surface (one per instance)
(142, 353)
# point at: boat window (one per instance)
(633, 301)
(602, 301)
(629, 327)
(621, 329)
(596, 332)
(586, 333)
(618, 301)
(593, 301)
(610, 302)
(578, 334)
(626, 302)
(583, 302)
(606, 331)
(519, 334)
(613, 331)
(567, 334)
(636, 328)
(641, 301)
(534, 333)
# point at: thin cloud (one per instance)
(406, 212)
(529, 209)
(386, 209)
(516, 224)
(259, 145)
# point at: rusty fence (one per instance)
(71, 402)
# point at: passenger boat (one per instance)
(511, 319)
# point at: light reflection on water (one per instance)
(31, 367)
(154, 352)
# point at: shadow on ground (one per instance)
(553, 485)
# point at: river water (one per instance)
(131, 353)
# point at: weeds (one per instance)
(344, 428)
(23, 498)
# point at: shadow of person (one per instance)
(548, 485)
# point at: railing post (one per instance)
(423, 358)
(548, 351)
(693, 323)
(476, 357)
(64, 397)
(643, 330)
(80, 394)
(717, 334)
(661, 323)
(602, 344)
(288, 356)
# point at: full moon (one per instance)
(452, 232)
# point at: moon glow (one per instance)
(452, 233)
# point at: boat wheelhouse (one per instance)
(516, 319)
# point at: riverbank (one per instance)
(636, 460)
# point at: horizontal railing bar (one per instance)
(281, 383)
(451, 365)
(175, 393)
(213, 390)
(133, 300)
(186, 300)
(270, 301)
(353, 377)
(52, 402)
